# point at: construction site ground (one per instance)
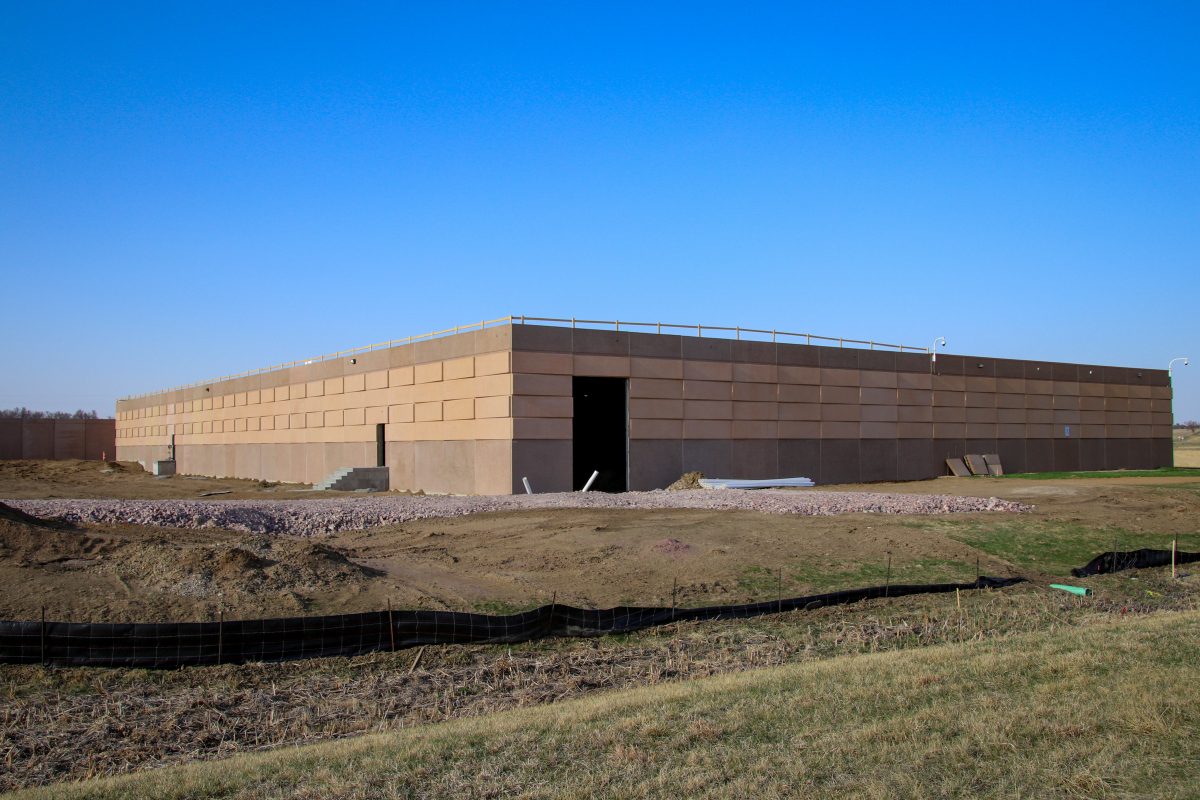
(73, 723)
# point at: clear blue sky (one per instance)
(191, 191)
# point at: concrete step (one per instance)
(349, 479)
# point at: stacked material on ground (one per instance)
(770, 483)
(315, 517)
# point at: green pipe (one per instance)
(1079, 590)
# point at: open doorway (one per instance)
(601, 433)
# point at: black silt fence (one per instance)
(178, 644)
(1115, 561)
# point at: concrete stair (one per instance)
(349, 479)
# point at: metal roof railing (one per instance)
(740, 333)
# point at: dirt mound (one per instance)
(671, 547)
(10, 514)
(688, 480)
(26, 540)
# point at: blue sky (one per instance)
(187, 191)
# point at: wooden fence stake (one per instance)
(43, 636)
(779, 592)
(1174, 546)
(887, 586)
(220, 634)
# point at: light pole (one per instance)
(941, 340)
(1172, 363)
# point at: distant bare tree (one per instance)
(28, 413)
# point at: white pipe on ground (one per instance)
(528, 488)
(591, 480)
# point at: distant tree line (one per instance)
(1191, 425)
(29, 413)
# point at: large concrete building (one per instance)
(477, 410)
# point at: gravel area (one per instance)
(329, 515)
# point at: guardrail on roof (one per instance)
(740, 333)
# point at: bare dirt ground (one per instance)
(500, 562)
(58, 724)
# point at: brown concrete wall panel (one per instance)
(916, 460)
(799, 394)
(541, 428)
(1163, 452)
(914, 380)
(985, 415)
(833, 377)
(878, 430)
(708, 371)
(547, 463)
(68, 439)
(538, 337)
(99, 439)
(603, 366)
(545, 406)
(799, 429)
(839, 358)
(878, 460)
(1091, 454)
(660, 368)
(943, 414)
(700, 349)
(656, 429)
(840, 461)
(755, 392)
(877, 360)
(916, 397)
(542, 385)
(707, 390)
(800, 458)
(599, 342)
(841, 395)
(707, 429)
(713, 457)
(836, 412)
(37, 439)
(878, 396)
(949, 398)
(707, 409)
(754, 411)
(869, 413)
(949, 383)
(656, 346)
(873, 379)
(914, 430)
(751, 352)
(1066, 455)
(807, 376)
(754, 429)
(797, 355)
(655, 388)
(1012, 454)
(981, 430)
(655, 463)
(914, 413)
(754, 459)
(839, 430)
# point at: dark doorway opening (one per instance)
(600, 433)
(380, 448)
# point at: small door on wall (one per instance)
(600, 433)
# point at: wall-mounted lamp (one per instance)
(941, 340)
(208, 388)
(354, 361)
(1172, 364)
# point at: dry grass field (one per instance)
(1187, 448)
(1040, 693)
